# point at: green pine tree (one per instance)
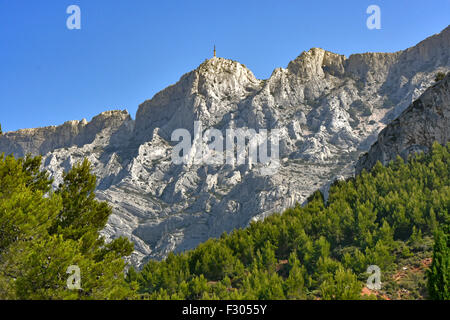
(43, 232)
(439, 272)
(344, 285)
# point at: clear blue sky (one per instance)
(128, 50)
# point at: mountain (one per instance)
(423, 122)
(328, 109)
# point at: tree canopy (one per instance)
(44, 231)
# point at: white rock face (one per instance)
(425, 121)
(328, 109)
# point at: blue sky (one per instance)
(128, 50)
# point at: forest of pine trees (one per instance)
(395, 217)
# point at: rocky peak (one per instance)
(315, 62)
(74, 132)
(220, 77)
(432, 50)
(110, 118)
(206, 94)
(217, 66)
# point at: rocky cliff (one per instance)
(425, 121)
(328, 109)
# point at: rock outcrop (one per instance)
(71, 133)
(327, 108)
(415, 130)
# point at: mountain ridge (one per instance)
(328, 109)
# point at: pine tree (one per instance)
(439, 272)
(295, 283)
(37, 245)
(82, 214)
(342, 286)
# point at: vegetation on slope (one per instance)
(322, 251)
(43, 232)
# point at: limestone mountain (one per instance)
(327, 107)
